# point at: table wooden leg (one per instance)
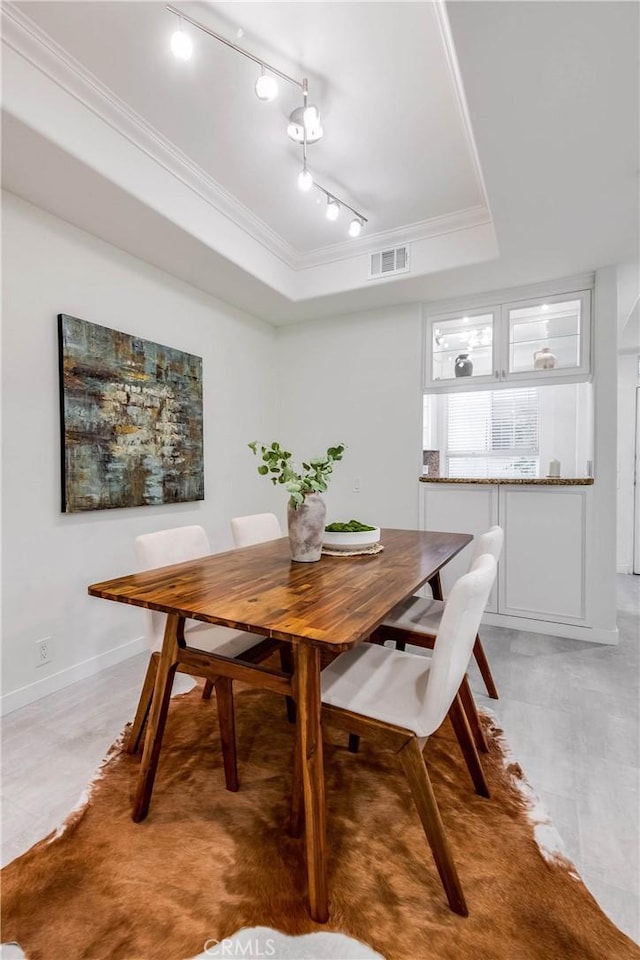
(436, 586)
(309, 703)
(157, 716)
(144, 705)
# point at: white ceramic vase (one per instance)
(306, 528)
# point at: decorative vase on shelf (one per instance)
(306, 528)
(543, 359)
(463, 366)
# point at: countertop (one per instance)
(516, 481)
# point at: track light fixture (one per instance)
(266, 86)
(305, 180)
(304, 125)
(333, 209)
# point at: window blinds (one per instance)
(493, 433)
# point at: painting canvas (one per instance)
(131, 419)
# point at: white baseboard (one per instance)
(550, 628)
(31, 692)
(624, 568)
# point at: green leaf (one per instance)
(263, 469)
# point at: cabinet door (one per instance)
(547, 339)
(542, 572)
(460, 509)
(460, 348)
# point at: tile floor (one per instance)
(570, 711)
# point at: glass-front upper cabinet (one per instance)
(542, 339)
(548, 336)
(461, 346)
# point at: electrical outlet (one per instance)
(44, 653)
(356, 484)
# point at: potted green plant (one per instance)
(305, 483)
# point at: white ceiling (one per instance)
(384, 104)
(552, 95)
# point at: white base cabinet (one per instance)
(542, 583)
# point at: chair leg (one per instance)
(471, 711)
(208, 690)
(354, 743)
(286, 662)
(462, 731)
(485, 669)
(425, 801)
(227, 726)
(144, 705)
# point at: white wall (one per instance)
(601, 538)
(566, 428)
(357, 380)
(628, 383)
(49, 558)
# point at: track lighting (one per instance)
(181, 44)
(304, 125)
(266, 86)
(305, 180)
(333, 209)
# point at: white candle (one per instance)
(554, 468)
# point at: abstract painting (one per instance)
(131, 420)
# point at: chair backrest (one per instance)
(489, 542)
(455, 639)
(159, 550)
(255, 528)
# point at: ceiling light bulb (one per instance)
(333, 209)
(355, 227)
(305, 180)
(266, 87)
(181, 45)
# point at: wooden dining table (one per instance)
(332, 604)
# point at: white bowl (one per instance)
(344, 540)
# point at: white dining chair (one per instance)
(417, 619)
(160, 549)
(255, 528)
(400, 699)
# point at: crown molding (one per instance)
(451, 56)
(27, 39)
(412, 232)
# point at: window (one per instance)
(490, 433)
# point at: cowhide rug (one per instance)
(207, 863)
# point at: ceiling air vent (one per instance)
(387, 263)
